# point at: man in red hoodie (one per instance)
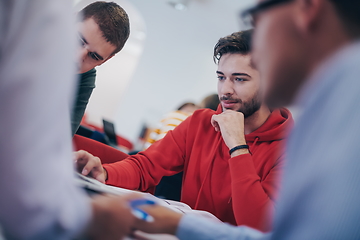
(231, 157)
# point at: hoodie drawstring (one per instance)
(254, 143)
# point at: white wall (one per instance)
(175, 64)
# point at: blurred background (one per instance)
(166, 61)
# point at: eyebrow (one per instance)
(95, 53)
(82, 38)
(235, 74)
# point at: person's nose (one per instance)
(227, 87)
(82, 53)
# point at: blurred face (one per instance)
(189, 109)
(238, 84)
(279, 53)
(94, 49)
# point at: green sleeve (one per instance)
(86, 84)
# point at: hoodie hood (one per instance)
(276, 127)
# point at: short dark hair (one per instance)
(185, 105)
(113, 22)
(238, 42)
(349, 13)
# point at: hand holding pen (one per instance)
(139, 213)
(154, 218)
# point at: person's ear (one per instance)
(309, 13)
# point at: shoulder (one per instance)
(203, 113)
(88, 78)
(201, 117)
(90, 73)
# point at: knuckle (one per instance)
(81, 152)
(97, 160)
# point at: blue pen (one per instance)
(139, 213)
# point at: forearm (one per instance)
(192, 227)
(251, 202)
(123, 174)
(144, 170)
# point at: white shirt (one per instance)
(38, 199)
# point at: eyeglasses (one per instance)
(249, 15)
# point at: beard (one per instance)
(248, 108)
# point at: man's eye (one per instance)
(221, 78)
(82, 42)
(240, 79)
(93, 56)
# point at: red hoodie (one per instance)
(238, 190)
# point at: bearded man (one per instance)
(231, 157)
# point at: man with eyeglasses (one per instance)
(103, 30)
(308, 52)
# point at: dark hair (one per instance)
(349, 13)
(112, 20)
(185, 105)
(238, 42)
(212, 101)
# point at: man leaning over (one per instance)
(103, 30)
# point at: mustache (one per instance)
(229, 98)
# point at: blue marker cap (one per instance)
(141, 214)
(137, 202)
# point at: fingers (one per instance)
(218, 120)
(231, 125)
(100, 175)
(95, 170)
(80, 160)
(79, 154)
(214, 122)
(226, 117)
(165, 220)
(133, 196)
(112, 218)
(81, 157)
(89, 165)
(92, 164)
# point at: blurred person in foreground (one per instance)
(231, 157)
(308, 52)
(39, 199)
(103, 29)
